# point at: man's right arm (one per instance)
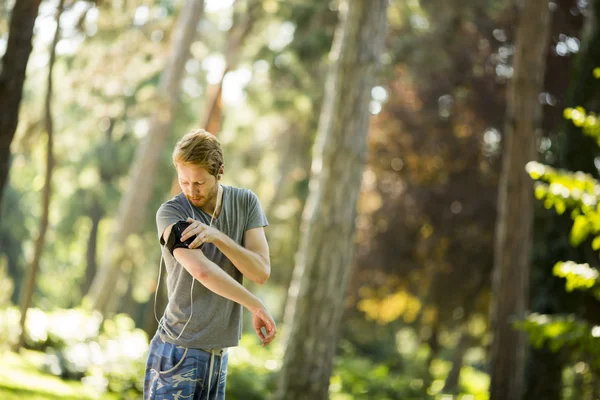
(218, 281)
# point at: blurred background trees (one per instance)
(415, 322)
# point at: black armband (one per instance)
(174, 240)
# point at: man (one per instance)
(214, 234)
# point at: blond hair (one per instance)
(199, 147)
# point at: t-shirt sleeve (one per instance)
(256, 216)
(166, 215)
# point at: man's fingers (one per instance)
(268, 341)
(187, 229)
(192, 230)
(260, 334)
(269, 324)
(187, 232)
(269, 338)
(196, 243)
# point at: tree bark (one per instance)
(453, 378)
(324, 260)
(433, 342)
(30, 278)
(512, 251)
(96, 214)
(294, 166)
(12, 77)
(104, 293)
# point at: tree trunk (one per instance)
(30, 278)
(578, 392)
(324, 260)
(453, 378)
(12, 77)
(294, 166)
(515, 203)
(96, 215)
(128, 305)
(102, 295)
(433, 342)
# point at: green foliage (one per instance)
(569, 190)
(578, 276)
(564, 331)
(21, 377)
(556, 184)
(251, 372)
(576, 191)
(579, 193)
(9, 327)
(107, 355)
(357, 376)
(6, 284)
(587, 121)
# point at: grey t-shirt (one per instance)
(216, 321)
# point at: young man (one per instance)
(213, 234)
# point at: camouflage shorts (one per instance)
(176, 372)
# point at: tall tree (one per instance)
(512, 250)
(30, 278)
(323, 269)
(12, 77)
(146, 161)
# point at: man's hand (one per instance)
(204, 233)
(261, 318)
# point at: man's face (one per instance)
(198, 185)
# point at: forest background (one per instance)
(460, 138)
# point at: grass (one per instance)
(22, 378)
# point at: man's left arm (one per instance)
(252, 260)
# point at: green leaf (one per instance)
(560, 206)
(580, 230)
(596, 243)
(540, 192)
(567, 113)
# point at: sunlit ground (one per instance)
(21, 378)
